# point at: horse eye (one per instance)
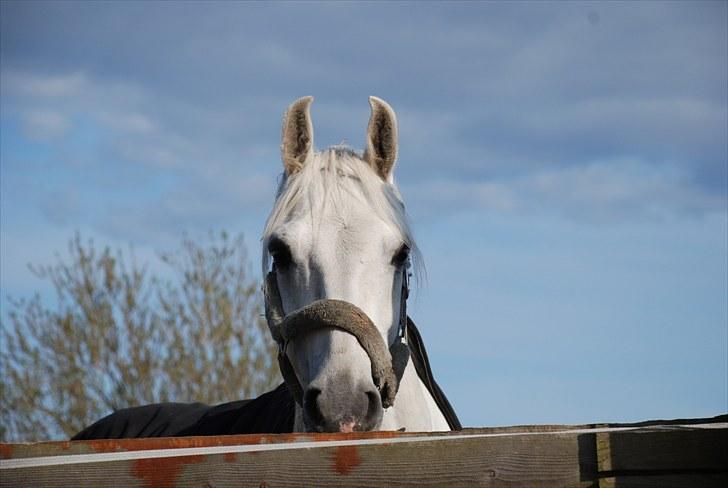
(280, 252)
(402, 255)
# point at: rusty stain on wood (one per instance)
(345, 459)
(6, 451)
(162, 472)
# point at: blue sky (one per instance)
(564, 164)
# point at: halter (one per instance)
(388, 364)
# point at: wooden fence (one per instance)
(681, 453)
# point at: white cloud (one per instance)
(54, 86)
(612, 190)
(45, 125)
(631, 120)
(131, 122)
(619, 189)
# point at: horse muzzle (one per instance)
(344, 406)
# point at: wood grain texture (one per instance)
(542, 456)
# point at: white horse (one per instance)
(338, 230)
(335, 302)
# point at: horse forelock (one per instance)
(333, 177)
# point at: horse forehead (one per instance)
(356, 231)
(351, 224)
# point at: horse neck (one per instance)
(414, 408)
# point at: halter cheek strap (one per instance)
(399, 349)
(388, 364)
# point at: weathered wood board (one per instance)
(665, 454)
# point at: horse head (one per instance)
(336, 252)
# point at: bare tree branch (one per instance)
(119, 337)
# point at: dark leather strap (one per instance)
(421, 362)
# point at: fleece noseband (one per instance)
(388, 364)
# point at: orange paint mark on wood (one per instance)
(162, 472)
(345, 459)
(6, 451)
(229, 457)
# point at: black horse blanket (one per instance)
(272, 412)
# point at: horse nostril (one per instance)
(374, 399)
(311, 406)
(374, 410)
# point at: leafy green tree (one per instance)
(118, 336)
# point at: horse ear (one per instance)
(381, 151)
(297, 143)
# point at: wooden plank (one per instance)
(663, 457)
(646, 456)
(542, 460)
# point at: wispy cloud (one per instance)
(600, 191)
(45, 125)
(44, 87)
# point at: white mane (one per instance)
(330, 177)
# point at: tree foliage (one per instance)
(119, 336)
